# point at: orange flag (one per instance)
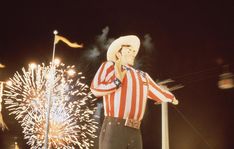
(70, 44)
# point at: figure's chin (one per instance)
(131, 63)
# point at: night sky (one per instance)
(192, 41)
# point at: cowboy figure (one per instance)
(125, 91)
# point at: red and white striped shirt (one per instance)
(129, 100)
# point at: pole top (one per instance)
(55, 32)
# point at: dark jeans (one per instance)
(114, 135)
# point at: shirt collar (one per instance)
(126, 67)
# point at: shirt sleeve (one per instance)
(105, 81)
(158, 93)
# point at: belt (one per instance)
(124, 122)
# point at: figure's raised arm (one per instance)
(105, 81)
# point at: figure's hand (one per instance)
(175, 102)
(118, 71)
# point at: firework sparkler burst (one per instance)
(72, 107)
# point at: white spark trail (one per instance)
(71, 121)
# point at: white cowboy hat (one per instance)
(117, 44)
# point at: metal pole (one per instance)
(50, 95)
(165, 129)
(165, 132)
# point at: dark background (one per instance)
(192, 41)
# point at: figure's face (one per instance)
(127, 55)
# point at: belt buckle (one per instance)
(132, 123)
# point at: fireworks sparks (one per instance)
(71, 122)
